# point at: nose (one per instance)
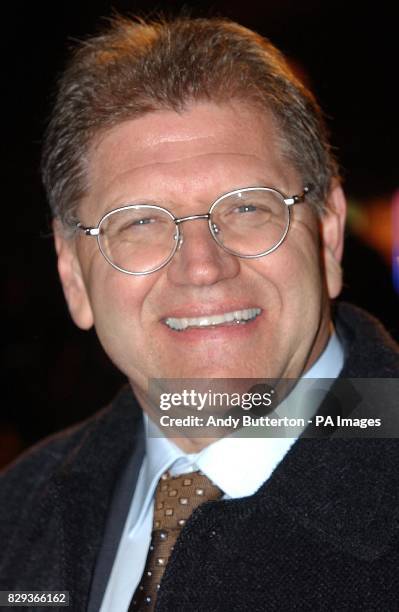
(199, 260)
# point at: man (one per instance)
(198, 219)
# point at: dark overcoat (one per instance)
(321, 534)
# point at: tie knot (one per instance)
(176, 497)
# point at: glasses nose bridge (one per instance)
(180, 220)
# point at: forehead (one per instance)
(206, 147)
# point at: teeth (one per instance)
(211, 320)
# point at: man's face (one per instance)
(183, 162)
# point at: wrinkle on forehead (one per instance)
(175, 179)
(209, 124)
(187, 156)
(208, 149)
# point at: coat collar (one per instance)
(347, 490)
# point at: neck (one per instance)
(192, 444)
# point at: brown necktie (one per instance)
(175, 499)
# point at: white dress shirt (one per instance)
(237, 465)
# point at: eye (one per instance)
(132, 224)
(245, 208)
(144, 221)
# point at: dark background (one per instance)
(54, 374)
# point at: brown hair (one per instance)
(136, 67)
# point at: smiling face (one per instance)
(184, 162)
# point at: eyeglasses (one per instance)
(140, 239)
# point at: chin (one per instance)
(218, 371)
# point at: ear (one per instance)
(332, 226)
(71, 277)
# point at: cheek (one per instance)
(118, 305)
(120, 320)
(304, 274)
(304, 270)
(295, 270)
(297, 275)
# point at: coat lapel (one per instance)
(84, 487)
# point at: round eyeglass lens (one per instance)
(138, 239)
(250, 222)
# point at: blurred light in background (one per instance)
(376, 222)
(372, 221)
(395, 241)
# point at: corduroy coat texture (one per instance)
(321, 534)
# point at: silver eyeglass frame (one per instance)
(178, 237)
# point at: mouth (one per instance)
(235, 317)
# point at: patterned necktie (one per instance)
(175, 499)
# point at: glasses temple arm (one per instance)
(88, 231)
(296, 199)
